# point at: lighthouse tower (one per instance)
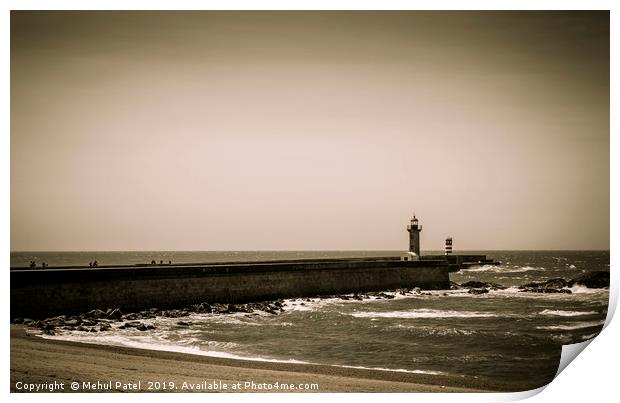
(414, 236)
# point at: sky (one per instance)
(309, 130)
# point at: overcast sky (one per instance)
(309, 130)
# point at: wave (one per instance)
(573, 326)
(424, 313)
(126, 342)
(502, 269)
(551, 312)
(431, 330)
(582, 289)
(409, 371)
(589, 336)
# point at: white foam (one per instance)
(409, 371)
(434, 330)
(502, 269)
(580, 289)
(424, 313)
(127, 342)
(551, 312)
(573, 326)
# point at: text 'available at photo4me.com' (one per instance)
(162, 386)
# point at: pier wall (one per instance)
(44, 293)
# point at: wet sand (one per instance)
(48, 363)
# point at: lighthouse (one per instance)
(448, 246)
(414, 236)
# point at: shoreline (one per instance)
(35, 360)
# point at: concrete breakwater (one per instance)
(54, 291)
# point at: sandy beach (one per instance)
(48, 364)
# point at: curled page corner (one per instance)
(570, 352)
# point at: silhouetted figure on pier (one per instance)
(43, 264)
(90, 264)
(33, 264)
(169, 261)
(95, 263)
(161, 262)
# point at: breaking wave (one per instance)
(195, 350)
(573, 326)
(551, 312)
(424, 313)
(409, 371)
(502, 269)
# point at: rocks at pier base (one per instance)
(103, 320)
(482, 285)
(594, 279)
(551, 286)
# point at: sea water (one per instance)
(505, 336)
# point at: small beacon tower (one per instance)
(414, 236)
(448, 246)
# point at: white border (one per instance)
(592, 377)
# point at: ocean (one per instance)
(503, 337)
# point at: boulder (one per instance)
(95, 314)
(29, 322)
(481, 284)
(147, 315)
(477, 291)
(455, 286)
(543, 290)
(593, 279)
(57, 321)
(49, 326)
(239, 308)
(115, 314)
(198, 308)
(554, 283)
